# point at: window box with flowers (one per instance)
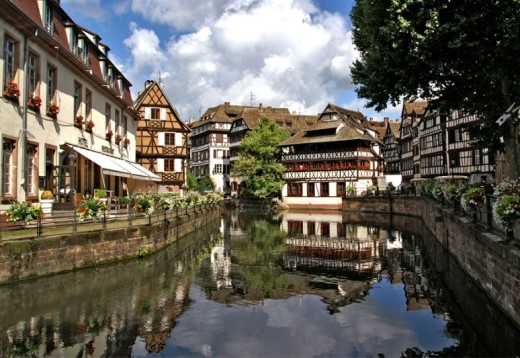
(506, 212)
(35, 103)
(109, 135)
(119, 139)
(78, 121)
(24, 212)
(126, 143)
(91, 209)
(52, 109)
(12, 91)
(143, 206)
(89, 125)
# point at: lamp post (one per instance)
(452, 164)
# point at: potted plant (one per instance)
(91, 209)
(46, 201)
(52, 109)
(119, 139)
(109, 135)
(351, 191)
(25, 212)
(12, 90)
(506, 211)
(101, 195)
(143, 205)
(126, 142)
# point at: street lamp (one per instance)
(452, 164)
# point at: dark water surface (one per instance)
(250, 285)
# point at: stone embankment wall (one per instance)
(484, 256)
(24, 259)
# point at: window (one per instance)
(310, 189)
(169, 165)
(477, 157)
(31, 169)
(124, 126)
(325, 229)
(7, 167)
(169, 138)
(88, 103)
(77, 98)
(340, 189)
(294, 189)
(33, 74)
(155, 113)
(74, 42)
(117, 119)
(48, 19)
(51, 84)
(84, 52)
(324, 189)
(108, 111)
(311, 228)
(295, 227)
(9, 61)
(217, 169)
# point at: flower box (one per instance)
(119, 139)
(109, 135)
(78, 121)
(89, 125)
(126, 143)
(35, 103)
(52, 110)
(12, 91)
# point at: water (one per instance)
(298, 285)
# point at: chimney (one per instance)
(226, 104)
(261, 106)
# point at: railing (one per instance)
(67, 223)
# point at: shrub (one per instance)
(91, 210)
(100, 193)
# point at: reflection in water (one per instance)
(296, 285)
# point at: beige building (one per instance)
(63, 105)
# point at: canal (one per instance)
(255, 285)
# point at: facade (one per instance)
(464, 158)
(337, 152)
(432, 144)
(409, 142)
(62, 104)
(161, 138)
(391, 148)
(209, 145)
(248, 118)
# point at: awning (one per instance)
(116, 166)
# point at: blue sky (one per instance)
(281, 53)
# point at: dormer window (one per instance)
(74, 42)
(49, 24)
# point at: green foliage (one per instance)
(204, 184)
(191, 182)
(25, 212)
(143, 251)
(458, 54)
(259, 160)
(100, 193)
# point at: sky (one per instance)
(280, 53)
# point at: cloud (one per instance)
(279, 53)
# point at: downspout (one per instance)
(23, 139)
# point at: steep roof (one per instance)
(395, 128)
(335, 124)
(417, 106)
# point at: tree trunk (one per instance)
(508, 162)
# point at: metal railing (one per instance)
(66, 222)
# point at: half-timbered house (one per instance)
(209, 145)
(161, 138)
(391, 148)
(411, 115)
(432, 144)
(248, 118)
(339, 151)
(465, 158)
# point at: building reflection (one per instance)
(107, 309)
(322, 255)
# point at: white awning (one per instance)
(116, 166)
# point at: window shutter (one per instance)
(147, 113)
(163, 114)
(160, 165)
(178, 165)
(161, 138)
(178, 140)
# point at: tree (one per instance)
(205, 183)
(457, 54)
(259, 160)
